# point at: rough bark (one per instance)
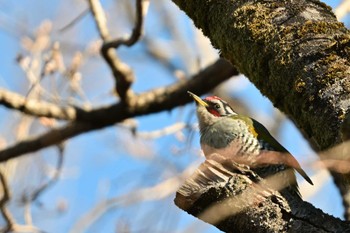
(236, 200)
(295, 52)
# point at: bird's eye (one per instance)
(217, 106)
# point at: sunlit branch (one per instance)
(37, 108)
(122, 72)
(100, 19)
(162, 132)
(159, 191)
(3, 202)
(342, 9)
(11, 225)
(160, 99)
(141, 11)
(233, 198)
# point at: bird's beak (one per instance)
(198, 99)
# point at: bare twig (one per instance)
(5, 198)
(180, 42)
(141, 11)
(158, 191)
(157, 100)
(100, 19)
(342, 9)
(75, 20)
(34, 196)
(53, 63)
(11, 225)
(162, 132)
(47, 139)
(159, 53)
(55, 176)
(37, 108)
(122, 72)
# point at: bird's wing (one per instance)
(264, 134)
(284, 156)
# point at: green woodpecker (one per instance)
(245, 140)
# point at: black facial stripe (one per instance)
(224, 108)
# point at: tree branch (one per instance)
(153, 101)
(159, 191)
(11, 225)
(79, 17)
(122, 73)
(38, 108)
(235, 199)
(141, 11)
(295, 52)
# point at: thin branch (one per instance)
(157, 100)
(75, 20)
(162, 132)
(141, 11)
(100, 19)
(342, 9)
(122, 73)
(11, 225)
(37, 108)
(159, 191)
(47, 139)
(54, 178)
(4, 200)
(34, 196)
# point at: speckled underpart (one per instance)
(243, 140)
(232, 138)
(226, 130)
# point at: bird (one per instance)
(244, 140)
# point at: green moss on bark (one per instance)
(295, 52)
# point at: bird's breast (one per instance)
(229, 138)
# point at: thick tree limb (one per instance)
(156, 100)
(236, 200)
(295, 52)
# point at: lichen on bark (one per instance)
(284, 48)
(295, 52)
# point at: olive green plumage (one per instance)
(235, 136)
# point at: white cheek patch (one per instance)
(229, 110)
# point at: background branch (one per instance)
(141, 11)
(11, 225)
(38, 108)
(122, 73)
(156, 100)
(159, 191)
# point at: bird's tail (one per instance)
(276, 157)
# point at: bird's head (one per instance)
(211, 108)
